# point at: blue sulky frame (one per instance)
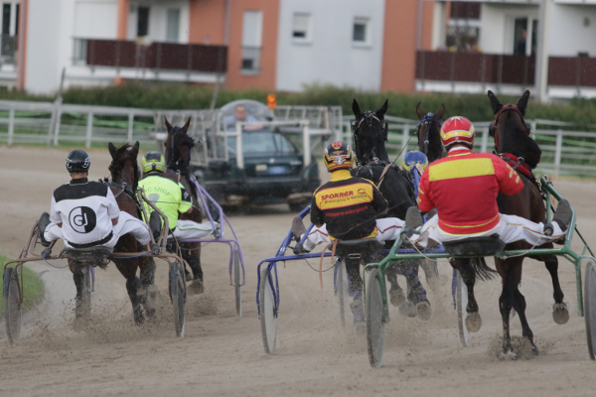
(397, 255)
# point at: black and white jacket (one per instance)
(86, 210)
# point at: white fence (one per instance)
(565, 150)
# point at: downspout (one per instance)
(22, 34)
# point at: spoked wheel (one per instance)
(238, 283)
(12, 305)
(461, 298)
(341, 291)
(267, 311)
(84, 307)
(590, 307)
(178, 296)
(375, 327)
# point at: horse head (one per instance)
(429, 134)
(178, 145)
(511, 132)
(370, 135)
(124, 166)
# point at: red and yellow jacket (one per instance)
(463, 187)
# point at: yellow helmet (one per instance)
(338, 155)
(153, 161)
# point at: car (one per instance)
(269, 168)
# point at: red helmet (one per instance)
(457, 129)
(338, 155)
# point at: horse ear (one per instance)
(523, 102)
(356, 109)
(112, 150)
(135, 148)
(381, 112)
(494, 102)
(168, 125)
(419, 111)
(440, 113)
(185, 127)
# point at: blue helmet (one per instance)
(411, 159)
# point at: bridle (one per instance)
(493, 126)
(368, 117)
(172, 147)
(427, 120)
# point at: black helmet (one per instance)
(78, 161)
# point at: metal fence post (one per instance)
(89, 129)
(10, 126)
(558, 148)
(131, 120)
(484, 144)
(306, 145)
(57, 124)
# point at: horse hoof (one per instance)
(408, 309)
(535, 351)
(560, 313)
(196, 287)
(359, 329)
(473, 322)
(509, 355)
(397, 297)
(423, 310)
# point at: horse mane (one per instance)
(519, 143)
(117, 165)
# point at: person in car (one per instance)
(85, 214)
(463, 187)
(347, 208)
(241, 114)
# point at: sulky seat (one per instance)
(475, 246)
(87, 254)
(362, 248)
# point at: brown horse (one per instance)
(177, 154)
(429, 137)
(124, 173)
(514, 144)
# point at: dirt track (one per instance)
(223, 355)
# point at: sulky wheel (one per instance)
(267, 311)
(178, 297)
(341, 290)
(590, 307)
(461, 295)
(375, 327)
(12, 305)
(238, 283)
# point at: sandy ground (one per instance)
(222, 354)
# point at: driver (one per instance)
(240, 114)
(85, 213)
(463, 187)
(347, 208)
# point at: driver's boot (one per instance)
(561, 217)
(43, 223)
(155, 226)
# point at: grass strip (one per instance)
(32, 285)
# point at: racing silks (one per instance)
(348, 205)
(463, 187)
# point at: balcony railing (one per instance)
(156, 56)
(503, 69)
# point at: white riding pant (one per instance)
(511, 228)
(187, 229)
(388, 229)
(126, 224)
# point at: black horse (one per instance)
(370, 135)
(429, 137)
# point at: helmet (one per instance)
(413, 158)
(153, 161)
(457, 129)
(338, 155)
(78, 161)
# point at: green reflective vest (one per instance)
(169, 196)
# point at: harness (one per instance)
(123, 187)
(369, 117)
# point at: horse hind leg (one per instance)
(519, 304)
(468, 274)
(133, 285)
(431, 274)
(560, 312)
(416, 292)
(147, 291)
(79, 280)
(397, 297)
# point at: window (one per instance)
(173, 25)
(142, 21)
(6, 18)
(360, 31)
(301, 27)
(252, 31)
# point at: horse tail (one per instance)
(483, 272)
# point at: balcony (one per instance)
(174, 61)
(474, 72)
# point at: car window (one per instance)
(263, 142)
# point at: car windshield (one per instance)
(263, 142)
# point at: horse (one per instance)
(513, 144)
(124, 178)
(429, 137)
(370, 135)
(178, 145)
